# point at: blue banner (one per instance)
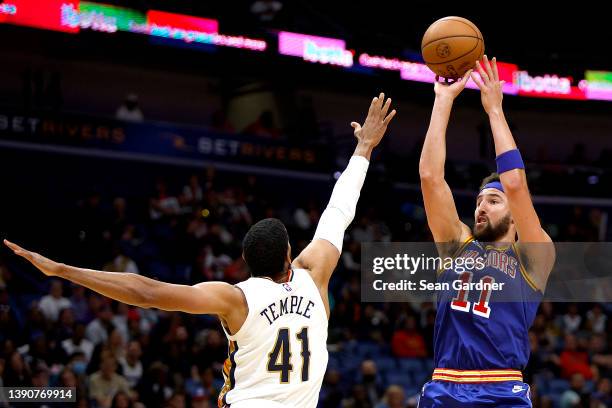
(161, 140)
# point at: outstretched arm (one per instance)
(440, 207)
(514, 181)
(204, 298)
(321, 255)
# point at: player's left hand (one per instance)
(490, 86)
(46, 265)
(375, 125)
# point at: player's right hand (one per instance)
(451, 90)
(376, 123)
(45, 265)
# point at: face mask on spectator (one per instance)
(79, 367)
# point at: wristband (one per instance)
(509, 160)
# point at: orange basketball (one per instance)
(451, 46)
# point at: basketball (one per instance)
(451, 46)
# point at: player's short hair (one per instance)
(265, 247)
(489, 179)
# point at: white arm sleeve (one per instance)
(340, 210)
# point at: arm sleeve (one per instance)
(340, 210)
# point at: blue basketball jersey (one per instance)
(482, 329)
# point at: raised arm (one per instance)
(512, 175)
(321, 255)
(217, 298)
(440, 207)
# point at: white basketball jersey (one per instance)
(279, 356)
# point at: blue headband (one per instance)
(494, 184)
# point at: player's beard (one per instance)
(491, 233)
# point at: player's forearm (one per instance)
(127, 288)
(502, 136)
(512, 180)
(433, 154)
(364, 149)
(342, 204)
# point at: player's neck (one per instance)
(507, 239)
(279, 278)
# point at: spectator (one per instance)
(215, 351)
(121, 400)
(573, 360)
(80, 305)
(394, 398)
(154, 386)
(121, 262)
(177, 400)
(104, 384)
(17, 372)
(373, 324)
(118, 218)
(120, 320)
(52, 303)
(192, 194)
(163, 204)
(596, 320)
(78, 343)
(572, 320)
(369, 381)
(116, 344)
(363, 231)
(351, 257)
(200, 400)
(331, 392)
(40, 378)
(357, 399)
(9, 326)
(576, 395)
(78, 364)
(68, 378)
(39, 352)
(97, 330)
(129, 110)
(131, 366)
(407, 341)
(602, 397)
(65, 326)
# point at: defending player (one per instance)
(276, 321)
(482, 345)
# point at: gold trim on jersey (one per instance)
(228, 366)
(524, 272)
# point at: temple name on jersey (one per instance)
(289, 305)
(498, 260)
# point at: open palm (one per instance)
(45, 265)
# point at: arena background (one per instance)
(139, 141)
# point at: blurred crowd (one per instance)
(54, 333)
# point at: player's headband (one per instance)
(494, 184)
